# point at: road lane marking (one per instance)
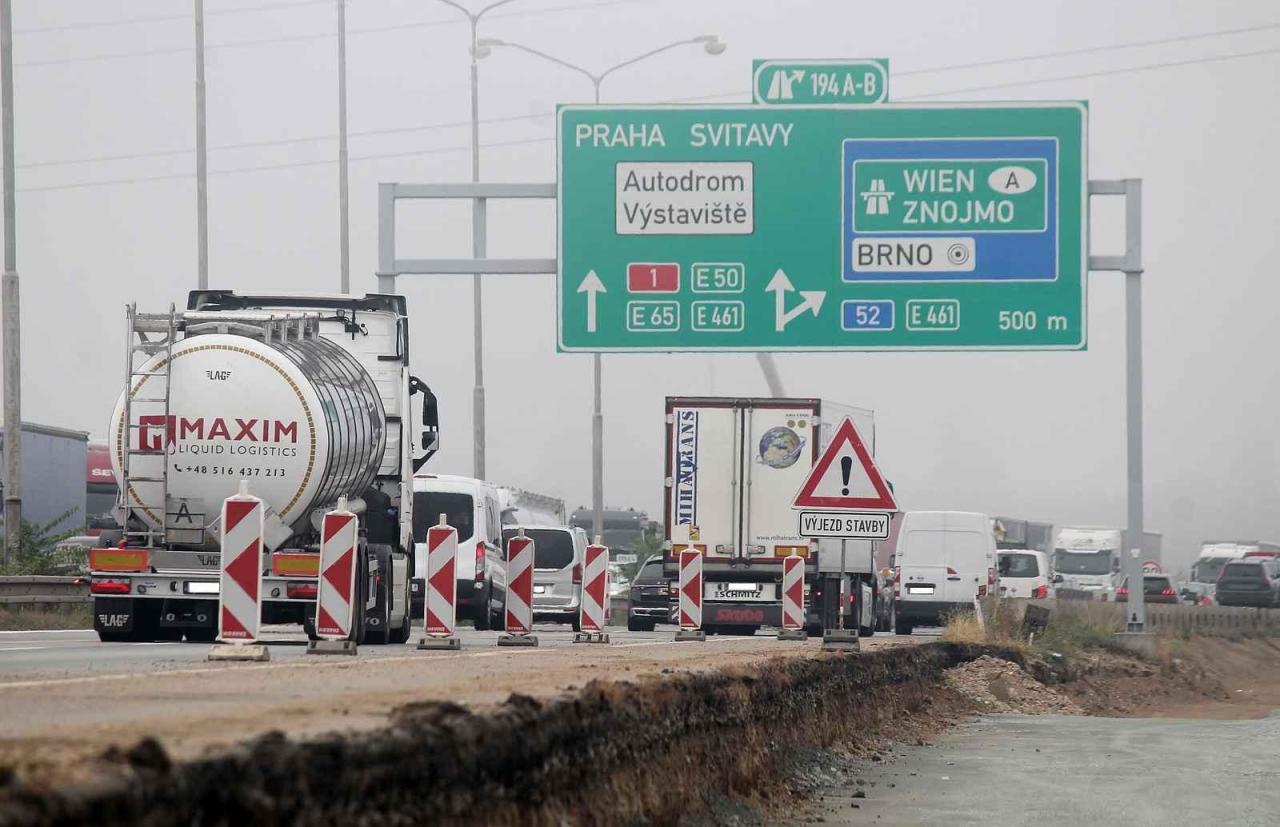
(23, 648)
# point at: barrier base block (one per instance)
(590, 637)
(841, 640)
(239, 651)
(439, 643)
(331, 647)
(691, 634)
(518, 640)
(793, 634)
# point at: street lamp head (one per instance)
(484, 47)
(712, 44)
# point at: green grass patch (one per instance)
(39, 617)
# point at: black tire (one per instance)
(576, 622)
(901, 627)
(639, 624)
(813, 630)
(401, 633)
(379, 634)
(866, 631)
(309, 623)
(498, 618)
(482, 613)
(742, 631)
(115, 637)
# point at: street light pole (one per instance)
(479, 234)
(202, 173)
(713, 46)
(12, 344)
(344, 229)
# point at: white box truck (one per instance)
(733, 467)
(1088, 558)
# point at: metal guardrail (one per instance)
(1208, 621)
(37, 589)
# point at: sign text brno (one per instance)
(887, 227)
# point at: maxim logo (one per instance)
(177, 428)
(685, 490)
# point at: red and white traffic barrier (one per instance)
(336, 585)
(441, 620)
(594, 603)
(240, 585)
(519, 608)
(792, 598)
(690, 596)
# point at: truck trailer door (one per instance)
(705, 474)
(778, 451)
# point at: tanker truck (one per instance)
(309, 399)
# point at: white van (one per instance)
(558, 552)
(943, 560)
(471, 506)
(1024, 572)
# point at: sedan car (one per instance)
(1156, 588)
(649, 599)
(1249, 582)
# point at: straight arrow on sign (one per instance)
(591, 285)
(780, 286)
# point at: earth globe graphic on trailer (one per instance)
(780, 447)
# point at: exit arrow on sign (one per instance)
(780, 285)
(591, 285)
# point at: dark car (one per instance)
(650, 604)
(1249, 582)
(1156, 588)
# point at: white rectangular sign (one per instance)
(684, 198)
(843, 526)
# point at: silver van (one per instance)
(558, 552)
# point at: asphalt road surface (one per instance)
(1017, 769)
(68, 653)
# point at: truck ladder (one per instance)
(148, 335)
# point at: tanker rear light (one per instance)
(787, 551)
(119, 559)
(109, 587)
(297, 590)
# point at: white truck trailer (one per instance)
(733, 467)
(306, 397)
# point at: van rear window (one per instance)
(552, 547)
(1019, 565)
(459, 510)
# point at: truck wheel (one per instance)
(901, 627)
(866, 631)
(813, 630)
(203, 635)
(400, 634)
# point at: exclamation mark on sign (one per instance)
(846, 468)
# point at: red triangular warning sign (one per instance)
(845, 477)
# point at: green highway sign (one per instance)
(888, 227)
(820, 81)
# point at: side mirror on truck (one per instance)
(430, 421)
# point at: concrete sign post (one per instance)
(820, 227)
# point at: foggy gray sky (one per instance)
(1022, 434)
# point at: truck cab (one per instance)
(1088, 559)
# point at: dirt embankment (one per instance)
(611, 753)
(751, 741)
